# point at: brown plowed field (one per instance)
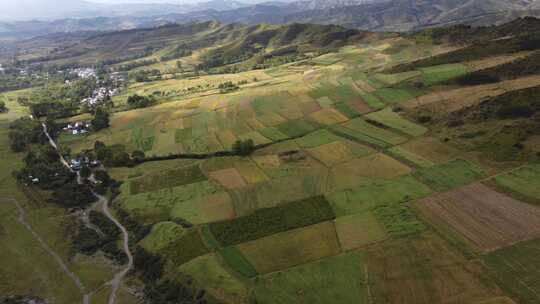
(486, 218)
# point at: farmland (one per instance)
(360, 181)
(487, 219)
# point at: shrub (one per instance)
(243, 147)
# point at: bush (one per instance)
(269, 221)
(136, 101)
(476, 79)
(515, 111)
(243, 148)
(101, 119)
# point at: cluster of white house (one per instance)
(77, 163)
(79, 127)
(84, 72)
(99, 95)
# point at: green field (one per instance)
(441, 73)
(208, 271)
(524, 181)
(515, 269)
(265, 222)
(411, 157)
(393, 96)
(360, 125)
(344, 274)
(393, 120)
(450, 175)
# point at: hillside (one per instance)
(275, 164)
(235, 41)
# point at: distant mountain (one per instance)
(375, 15)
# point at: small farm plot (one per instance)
(185, 248)
(359, 230)
(365, 169)
(393, 120)
(328, 116)
(426, 270)
(291, 248)
(517, 270)
(152, 207)
(524, 181)
(386, 199)
(370, 130)
(208, 272)
(212, 208)
(444, 72)
(341, 131)
(450, 175)
(161, 236)
(280, 190)
(338, 279)
(273, 134)
(415, 159)
(487, 219)
(392, 79)
(394, 96)
(316, 139)
(228, 178)
(332, 153)
(166, 179)
(249, 171)
(234, 258)
(268, 221)
(297, 128)
(431, 149)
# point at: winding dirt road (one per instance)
(116, 282)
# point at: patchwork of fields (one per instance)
(346, 199)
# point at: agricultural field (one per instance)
(487, 219)
(354, 191)
(515, 267)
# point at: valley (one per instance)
(277, 164)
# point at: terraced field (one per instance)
(350, 195)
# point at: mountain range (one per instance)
(375, 15)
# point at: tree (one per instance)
(243, 147)
(3, 107)
(85, 172)
(103, 177)
(101, 119)
(137, 101)
(138, 156)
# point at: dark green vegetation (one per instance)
(513, 267)
(59, 100)
(136, 101)
(238, 262)
(530, 65)
(527, 40)
(243, 147)
(24, 132)
(165, 290)
(284, 40)
(88, 241)
(498, 127)
(178, 253)
(101, 119)
(269, 221)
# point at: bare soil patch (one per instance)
(229, 178)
